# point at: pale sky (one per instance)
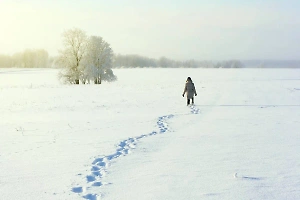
(177, 29)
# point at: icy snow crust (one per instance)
(137, 139)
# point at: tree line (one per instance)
(40, 59)
(90, 58)
(137, 61)
(29, 58)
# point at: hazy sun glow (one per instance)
(176, 29)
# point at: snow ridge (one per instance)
(99, 166)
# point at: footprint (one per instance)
(77, 189)
(91, 196)
(90, 178)
(101, 164)
(97, 184)
(194, 110)
(97, 173)
(97, 160)
(95, 168)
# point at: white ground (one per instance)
(137, 139)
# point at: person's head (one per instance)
(189, 79)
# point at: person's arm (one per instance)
(184, 91)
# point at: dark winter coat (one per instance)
(189, 89)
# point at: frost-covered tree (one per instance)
(85, 58)
(70, 58)
(109, 75)
(98, 59)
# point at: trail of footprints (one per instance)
(100, 165)
(194, 109)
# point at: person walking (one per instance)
(189, 90)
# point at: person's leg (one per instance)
(188, 102)
(193, 100)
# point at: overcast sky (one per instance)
(177, 29)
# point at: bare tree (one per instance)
(229, 64)
(5, 61)
(28, 58)
(41, 58)
(70, 58)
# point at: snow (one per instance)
(137, 139)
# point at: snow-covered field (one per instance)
(135, 139)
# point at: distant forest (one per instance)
(137, 61)
(40, 58)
